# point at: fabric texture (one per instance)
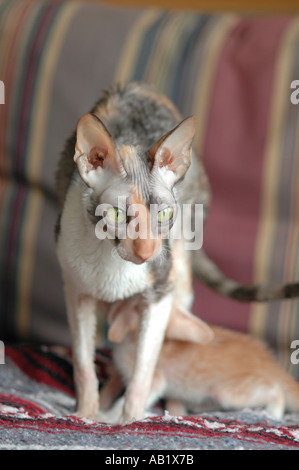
(232, 72)
(37, 414)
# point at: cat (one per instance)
(233, 369)
(132, 149)
(133, 145)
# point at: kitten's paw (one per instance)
(175, 407)
(86, 412)
(82, 415)
(113, 415)
(106, 417)
(276, 404)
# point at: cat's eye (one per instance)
(165, 214)
(116, 216)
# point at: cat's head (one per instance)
(133, 187)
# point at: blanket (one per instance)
(37, 402)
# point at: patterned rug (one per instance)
(37, 399)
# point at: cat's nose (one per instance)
(144, 256)
(144, 249)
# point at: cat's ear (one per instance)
(94, 150)
(172, 153)
(124, 322)
(184, 326)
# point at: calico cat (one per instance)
(133, 147)
(234, 369)
(132, 150)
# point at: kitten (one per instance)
(133, 149)
(234, 369)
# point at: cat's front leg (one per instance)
(154, 323)
(81, 312)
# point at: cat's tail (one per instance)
(209, 273)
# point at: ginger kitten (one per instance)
(234, 369)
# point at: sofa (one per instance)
(234, 73)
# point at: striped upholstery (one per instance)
(232, 72)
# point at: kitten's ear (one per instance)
(124, 322)
(183, 326)
(94, 150)
(172, 153)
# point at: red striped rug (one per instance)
(37, 400)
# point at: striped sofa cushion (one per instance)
(233, 72)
